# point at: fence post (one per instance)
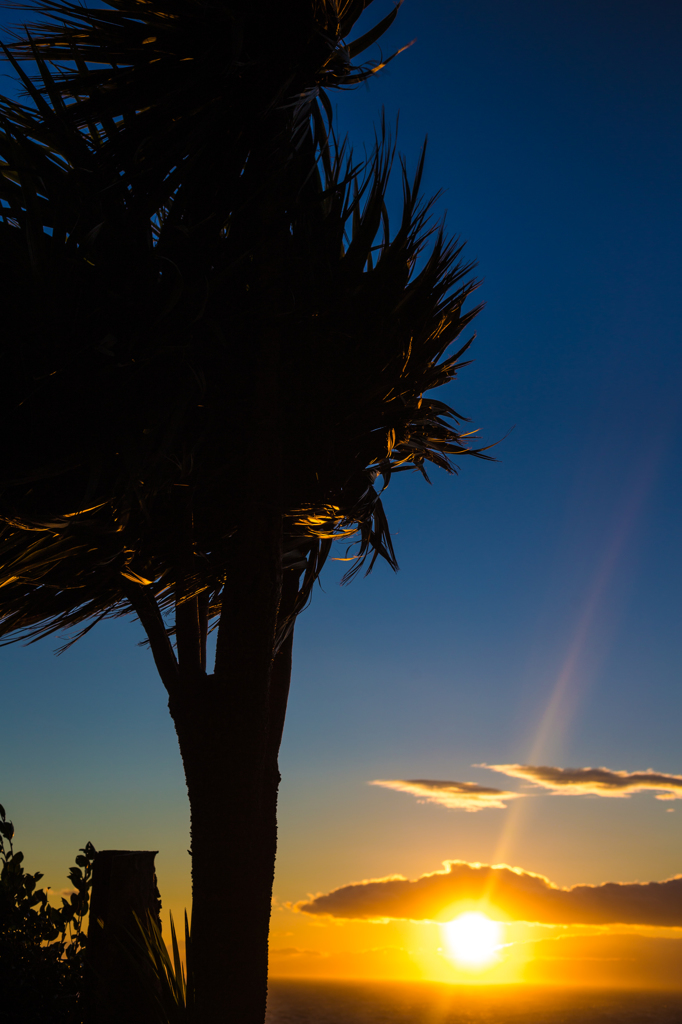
(123, 884)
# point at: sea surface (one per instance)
(294, 1001)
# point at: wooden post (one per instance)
(123, 884)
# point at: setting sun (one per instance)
(473, 938)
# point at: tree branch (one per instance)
(203, 600)
(145, 607)
(187, 624)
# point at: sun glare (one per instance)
(473, 938)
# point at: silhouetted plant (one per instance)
(170, 982)
(41, 946)
(217, 344)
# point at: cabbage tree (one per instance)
(217, 351)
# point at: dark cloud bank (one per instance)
(518, 895)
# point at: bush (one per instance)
(41, 946)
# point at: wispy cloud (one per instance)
(515, 894)
(470, 796)
(287, 951)
(458, 796)
(614, 961)
(592, 781)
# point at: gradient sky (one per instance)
(535, 617)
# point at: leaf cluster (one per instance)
(169, 982)
(207, 308)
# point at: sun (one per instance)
(473, 938)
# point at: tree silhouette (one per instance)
(214, 346)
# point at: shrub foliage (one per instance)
(41, 946)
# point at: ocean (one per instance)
(295, 1001)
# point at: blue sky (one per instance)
(553, 129)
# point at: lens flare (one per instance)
(473, 938)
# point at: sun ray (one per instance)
(566, 693)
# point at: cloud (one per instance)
(390, 962)
(592, 781)
(513, 893)
(616, 961)
(460, 796)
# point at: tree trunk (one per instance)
(233, 807)
(229, 727)
(229, 724)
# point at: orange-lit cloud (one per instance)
(460, 796)
(592, 781)
(517, 895)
